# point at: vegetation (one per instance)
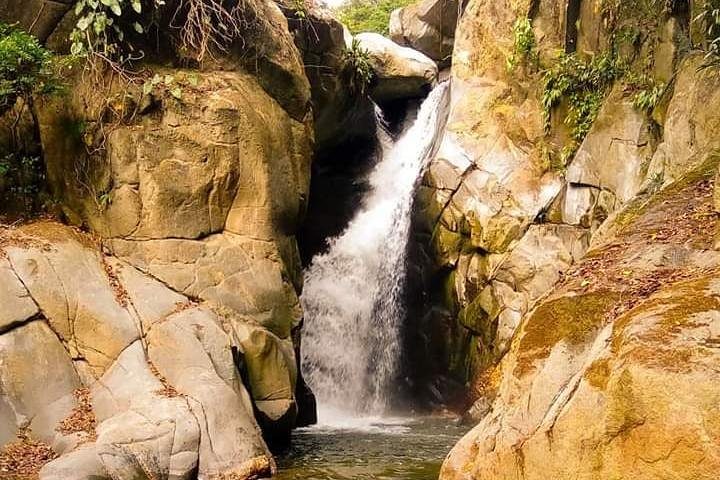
(357, 68)
(201, 27)
(26, 71)
(369, 15)
(584, 85)
(709, 20)
(524, 48)
(646, 92)
(26, 68)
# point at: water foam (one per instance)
(352, 296)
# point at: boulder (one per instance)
(38, 384)
(690, 123)
(18, 305)
(272, 376)
(400, 72)
(192, 351)
(428, 26)
(186, 173)
(74, 289)
(143, 430)
(39, 17)
(612, 375)
(232, 271)
(82, 463)
(169, 403)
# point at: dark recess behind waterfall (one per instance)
(339, 181)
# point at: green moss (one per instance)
(568, 318)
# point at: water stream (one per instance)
(354, 311)
(352, 296)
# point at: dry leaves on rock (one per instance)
(23, 459)
(82, 418)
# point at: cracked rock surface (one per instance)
(165, 385)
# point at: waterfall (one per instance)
(352, 296)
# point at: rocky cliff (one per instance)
(584, 264)
(157, 336)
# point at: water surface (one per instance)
(382, 449)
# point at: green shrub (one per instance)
(369, 15)
(100, 28)
(584, 85)
(708, 19)
(26, 68)
(524, 48)
(357, 68)
(646, 92)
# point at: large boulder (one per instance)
(613, 375)
(427, 26)
(206, 199)
(400, 72)
(38, 385)
(39, 17)
(164, 375)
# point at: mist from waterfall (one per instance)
(353, 293)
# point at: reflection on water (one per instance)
(376, 449)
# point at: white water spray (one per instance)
(352, 296)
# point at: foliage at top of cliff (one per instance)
(369, 15)
(357, 68)
(25, 66)
(117, 30)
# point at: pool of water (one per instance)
(370, 449)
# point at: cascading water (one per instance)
(353, 293)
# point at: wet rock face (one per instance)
(499, 223)
(482, 192)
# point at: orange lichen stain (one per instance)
(570, 318)
(598, 373)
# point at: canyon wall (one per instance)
(576, 281)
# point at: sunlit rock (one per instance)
(400, 72)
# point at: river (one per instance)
(388, 449)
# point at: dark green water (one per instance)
(380, 450)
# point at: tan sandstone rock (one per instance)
(400, 72)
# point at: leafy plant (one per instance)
(369, 15)
(101, 28)
(584, 85)
(357, 68)
(524, 48)
(26, 68)
(300, 9)
(645, 90)
(104, 200)
(709, 20)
